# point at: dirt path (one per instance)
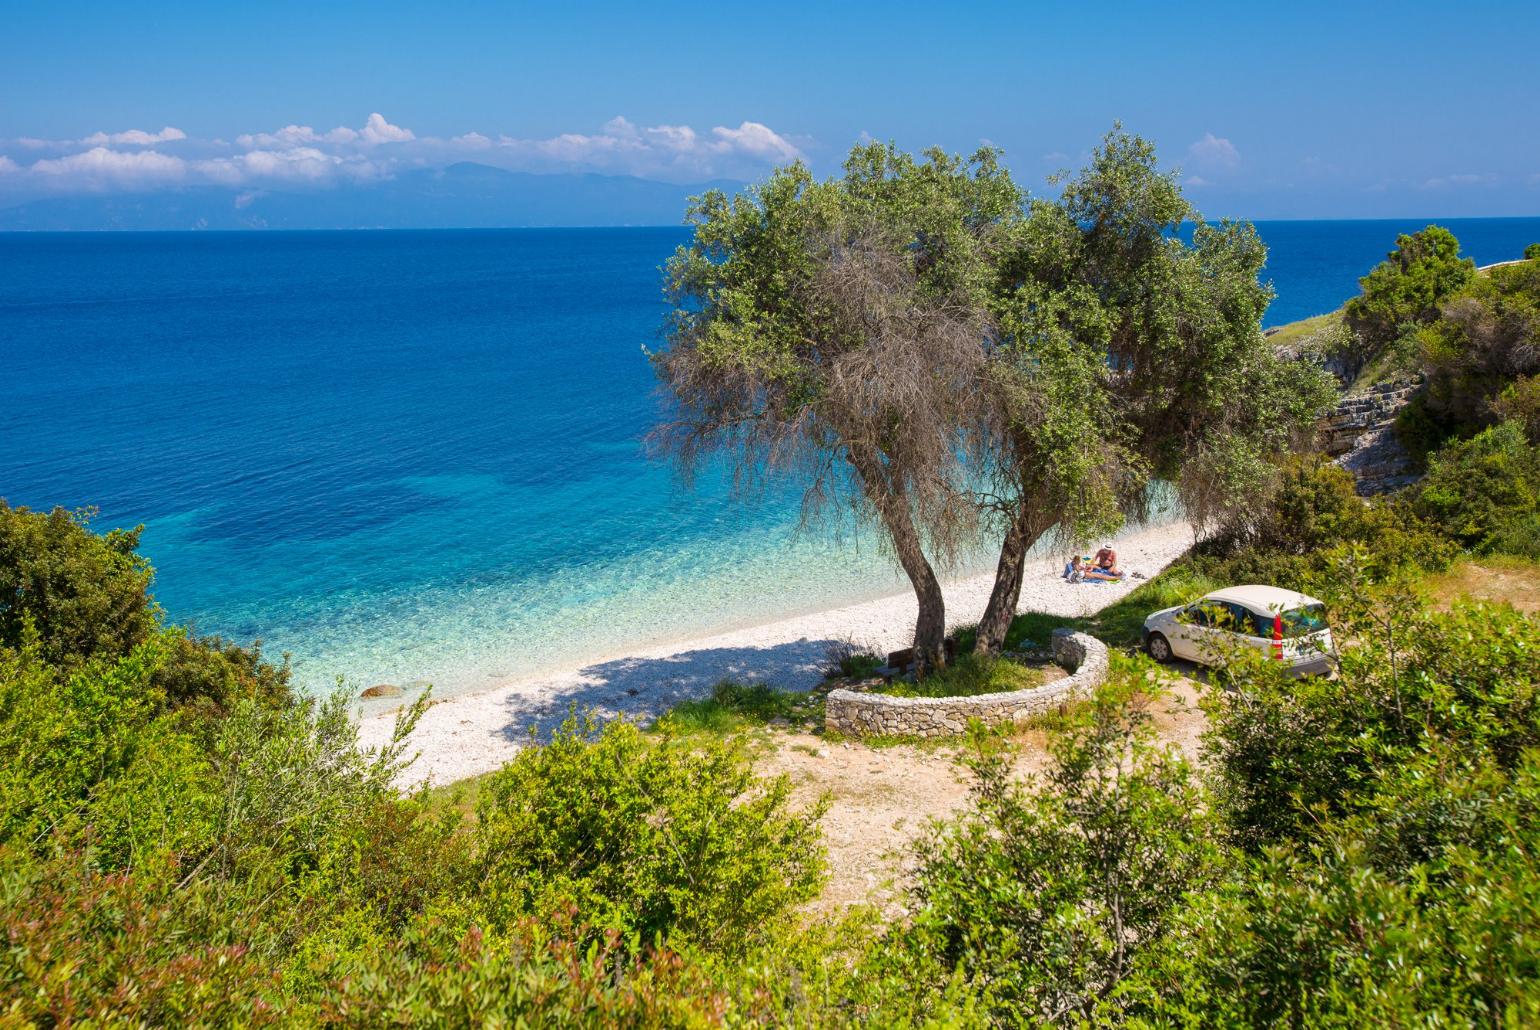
(881, 798)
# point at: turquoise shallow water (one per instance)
(415, 455)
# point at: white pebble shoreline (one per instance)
(470, 734)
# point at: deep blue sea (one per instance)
(415, 456)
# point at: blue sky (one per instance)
(1310, 110)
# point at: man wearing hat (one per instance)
(1107, 559)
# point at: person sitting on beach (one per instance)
(1097, 574)
(1107, 559)
(1075, 570)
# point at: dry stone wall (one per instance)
(859, 714)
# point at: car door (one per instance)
(1193, 631)
(1252, 629)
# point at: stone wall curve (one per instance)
(860, 714)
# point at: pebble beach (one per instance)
(471, 734)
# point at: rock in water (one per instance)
(382, 690)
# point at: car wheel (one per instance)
(1159, 648)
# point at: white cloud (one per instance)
(759, 140)
(300, 155)
(288, 136)
(1213, 154)
(378, 130)
(134, 137)
(100, 167)
(1195, 180)
(1462, 179)
(670, 151)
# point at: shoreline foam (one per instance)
(470, 734)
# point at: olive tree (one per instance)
(1128, 353)
(836, 330)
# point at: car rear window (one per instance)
(1300, 622)
(1297, 622)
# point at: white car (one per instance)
(1282, 624)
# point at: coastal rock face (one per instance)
(864, 715)
(1360, 434)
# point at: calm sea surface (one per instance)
(414, 456)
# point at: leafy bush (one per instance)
(81, 596)
(849, 659)
(1311, 514)
(1040, 896)
(645, 838)
(1324, 936)
(85, 594)
(1487, 337)
(1485, 492)
(1289, 753)
(1520, 403)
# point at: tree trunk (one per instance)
(893, 509)
(1022, 533)
(930, 624)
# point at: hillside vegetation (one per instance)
(185, 842)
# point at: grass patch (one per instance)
(1298, 332)
(1490, 578)
(970, 675)
(734, 707)
(461, 795)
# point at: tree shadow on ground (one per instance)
(641, 689)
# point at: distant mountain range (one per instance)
(464, 195)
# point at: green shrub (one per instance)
(87, 595)
(1520, 403)
(644, 837)
(1485, 340)
(1485, 492)
(1289, 753)
(852, 660)
(1347, 932)
(1040, 896)
(1312, 513)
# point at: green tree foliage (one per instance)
(836, 328)
(1127, 353)
(85, 594)
(1487, 338)
(1407, 288)
(1387, 814)
(1485, 492)
(1520, 403)
(74, 596)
